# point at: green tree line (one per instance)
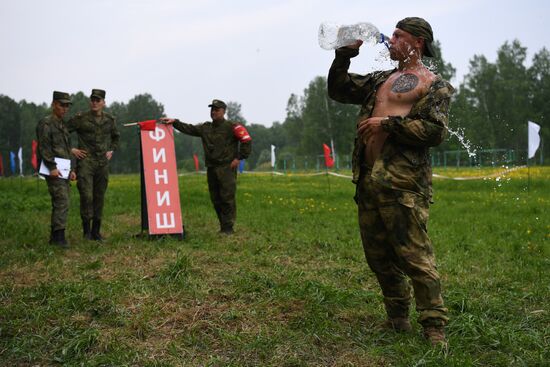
(490, 109)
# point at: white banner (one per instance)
(20, 156)
(272, 155)
(533, 138)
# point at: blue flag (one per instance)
(241, 166)
(12, 162)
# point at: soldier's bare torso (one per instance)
(395, 97)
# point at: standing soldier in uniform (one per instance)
(98, 137)
(403, 113)
(225, 143)
(53, 141)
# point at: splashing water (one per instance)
(430, 65)
(384, 56)
(459, 134)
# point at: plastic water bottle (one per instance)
(333, 36)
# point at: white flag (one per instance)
(272, 155)
(20, 156)
(534, 138)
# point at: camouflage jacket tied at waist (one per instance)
(95, 136)
(53, 141)
(218, 140)
(404, 162)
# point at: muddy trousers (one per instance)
(393, 227)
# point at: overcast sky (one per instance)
(256, 53)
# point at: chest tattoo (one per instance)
(405, 83)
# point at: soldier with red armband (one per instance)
(225, 143)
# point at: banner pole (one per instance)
(528, 168)
(328, 179)
(144, 216)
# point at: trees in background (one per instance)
(495, 100)
(491, 106)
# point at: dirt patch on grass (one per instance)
(26, 276)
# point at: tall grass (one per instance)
(290, 288)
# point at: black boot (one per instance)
(96, 226)
(227, 230)
(86, 229)
(58, 238)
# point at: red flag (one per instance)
(1, 165)
(329, 162)
(148, 125)
(34, 159)
(196, 159)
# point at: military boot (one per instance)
(227, 231)
(58, 238)
(96, 226)
(399, 324)
(86, 229)
(435, 335)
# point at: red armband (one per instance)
(241, 134)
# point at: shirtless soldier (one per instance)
(403, 113)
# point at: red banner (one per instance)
(196, 159)
(329, 162)
(1, 165)
(34, 159)
(161, 180)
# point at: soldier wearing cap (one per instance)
(403, 113)
(225, 143)
(98, 138)
(53, 142)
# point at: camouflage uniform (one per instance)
(221, 147)
(53, 141)
(393, 196)
(97, 136)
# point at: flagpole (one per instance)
(528, 177)
(328, 179)
(527, 162)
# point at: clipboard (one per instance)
(63, 166)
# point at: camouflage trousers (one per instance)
(222, 184)
(393, 227)
(59, 193)
(93, 178)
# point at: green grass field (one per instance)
(291, 288)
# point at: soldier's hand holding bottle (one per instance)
(355, 45)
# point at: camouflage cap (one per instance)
(98, 93)
(418, 27)
(218, 104)
(62, 97)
